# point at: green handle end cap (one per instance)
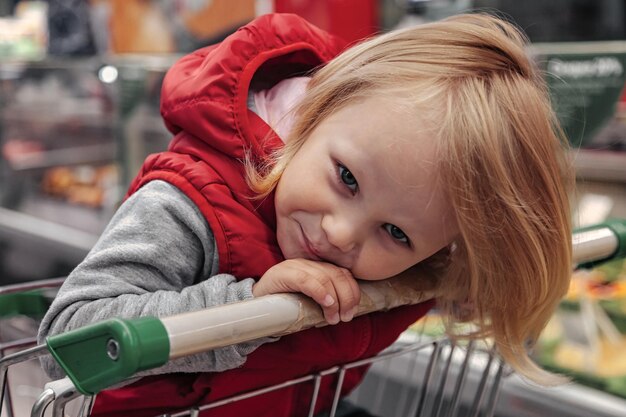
(100, 355)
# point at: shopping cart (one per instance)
(417, 376)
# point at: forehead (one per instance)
(386, 137)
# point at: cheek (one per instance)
(286, 192)
(302, 193)
(279, 195)
(287, 198)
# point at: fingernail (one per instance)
(334, 319)
(328, 301)
(347, 316)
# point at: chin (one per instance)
(369, 277)
(373, 276)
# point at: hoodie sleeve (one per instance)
(157, 257)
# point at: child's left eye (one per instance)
(396, 233)
(347, 178)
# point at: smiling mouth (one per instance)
(306, 245)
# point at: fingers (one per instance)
(348, 294)
(323, 293)
(332, 287)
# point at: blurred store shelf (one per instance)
(72, 134)
(44, 231)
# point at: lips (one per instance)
(308, 247)
(315, 255)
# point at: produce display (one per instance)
(586, 339)
(86, 185)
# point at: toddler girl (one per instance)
(432, 148)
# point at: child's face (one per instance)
(362, 193)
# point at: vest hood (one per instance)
(267, 50)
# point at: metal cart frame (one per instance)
(443, 378)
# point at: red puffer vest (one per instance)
(204, 104)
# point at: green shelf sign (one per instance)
(586, 81)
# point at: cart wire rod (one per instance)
(5, 389)
(317, 380)
(482, 386)
(340, 377)
(495, 389)
(43, 401)
(60, 393)
(5, 393)
(380, 388)
(392, 353)
(247, 395)
(442, 382)
(418, 405)
(64, 392)
(86, 406)
(460, 381)
(16, 344)
(404, 394)
(32, 285)
(15, 358)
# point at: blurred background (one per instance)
(79, 111)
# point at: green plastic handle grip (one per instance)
(100, 355)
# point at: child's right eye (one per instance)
(347, 178)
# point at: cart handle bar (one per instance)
(105, 353)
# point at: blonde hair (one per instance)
(502, 165)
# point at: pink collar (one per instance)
(275, 105)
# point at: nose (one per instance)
(342, 231)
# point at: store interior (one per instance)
(79, 112)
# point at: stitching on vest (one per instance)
(190, 102)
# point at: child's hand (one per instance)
(332, 287)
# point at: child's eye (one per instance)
(396, 233)
(347, 178)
